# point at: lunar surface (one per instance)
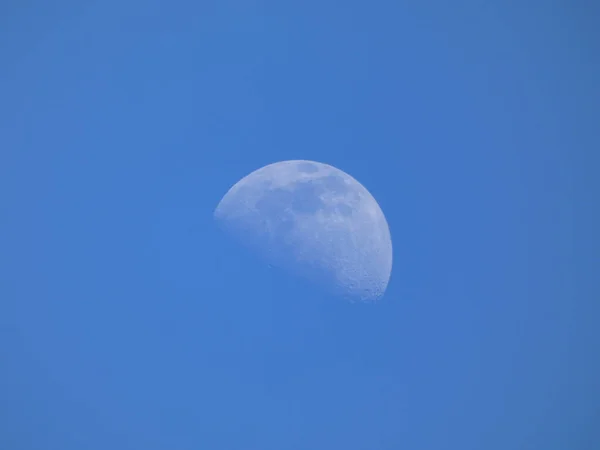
(314, 221)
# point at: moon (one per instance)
(314, 221)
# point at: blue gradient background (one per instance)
(129, 321)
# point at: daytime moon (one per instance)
(314, 221)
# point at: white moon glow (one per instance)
(315, 221)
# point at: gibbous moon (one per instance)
(314, 221)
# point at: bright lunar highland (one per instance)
(315, 221)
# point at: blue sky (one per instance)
(128, 320)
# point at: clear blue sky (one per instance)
(128, 321)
